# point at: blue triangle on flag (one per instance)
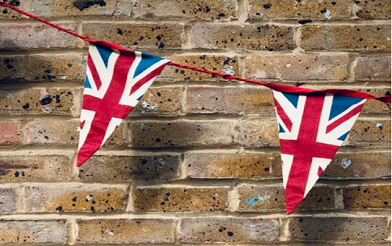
(343, 137)
(147, 61)
(341, 104)
(87, 83)
(280, 128)
(293, 98)
(105, 54)
(140, 97)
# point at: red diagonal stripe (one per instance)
(147, 78)
(283, 116)
(346, 117)
(94, 71)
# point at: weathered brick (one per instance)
(373, 68)
(38, 100)
(346, 229)
(161, 36)
(74, 198)
(8, 14)
(190, 9)
(346, 38)
(35, 168)
(218, 63)
(271, 198)
(375, 106)
(370, 10)
(249, 37)
(214, 230)
(12, 67)
(180, 133)
(297, 67)
(229, 100)
(370, 132)
(17, 232)
(287, 9)
(127, 168)
(367, 196)
(259, 132)
(359, 165)
(29, 36)
(124, 231)
(8, 199)
(160, 101)
(64, 132)
(179, 199)
(233, 165)
(59, 8)
(9, 133)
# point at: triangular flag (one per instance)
(311, 130)
(115, 82)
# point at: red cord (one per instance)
(277, 87)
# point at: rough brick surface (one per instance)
(367, 197)
(8, 14)
(297, 67)
(233, 165)
(370, 132)
(74, 198)
(124, 231)
(259, 132)
(35, 168)
(179, 199)
(373, 68)
(33, 231)
(180, 133)
(370, 10)
(192, 9)
(126, 168)
(375, 106)
(346, 38)
(12, 67)
(9, 133)
(249, 37)
(339, 228)
(231, 230)
(7, 200)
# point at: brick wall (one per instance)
(198, 162)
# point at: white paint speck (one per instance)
(389, 39)
(47, 110)
(145, 105)
(89, 197)
(78, 129)
(288, 65)
(62, 77)
(228, 70)
(110, 232)
(345, 163)
(162, 161)
(379, 125)
(142, 125)
(328, 14)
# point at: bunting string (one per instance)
(276, 87)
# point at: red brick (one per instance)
(259, 132)
(346, 38)
(248, 37)
(297, 67)
(229, 230)
(229, 100)
(367, 197)
(374, 68)
(347, 229)
(370, 132)
(125, 231)
(9, 133)
(233, 165)
(14, 232)
(369, 10)
(7, 200)
(29, 36)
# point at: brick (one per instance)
(339, 228)
(248, 37)
(29, 36)
(36, 101)
(225, 230)
(63, 132)
(160, 101)
(359, 165)
(346, 38)
(287, 9)
(372, 68)
(9, 14)
(271, 198)
(217, 63)
(179, 199)
(135, 36)
(367, 197)
(229, 100)
(33, 231)
(370, 10)
(12, 67)
(233, 165)
(8, 199)
(191, 9)
(375, 106)
(297, 67)
(9, 133)
(128, 168)
(180, 133)
(124, 231)
(74, 198)
(370, 132)
(259, 132)
(59, 8)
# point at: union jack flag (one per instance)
(311, 130)
(115, 82)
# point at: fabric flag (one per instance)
(311, 130)
(115, 82)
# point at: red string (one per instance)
(277, 87)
